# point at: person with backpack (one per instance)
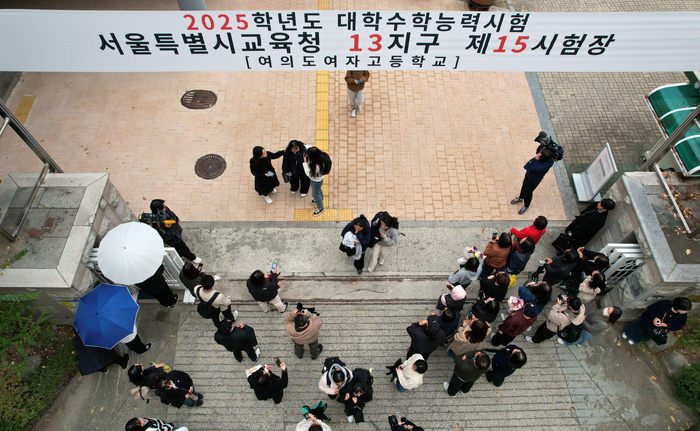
(384, 234)
(293, 167)
(357, 394)
(146, 380)
(567, 311)
(335, 376)
(236, 338)
(597, 323)
(169, 229)
(316, 165)
(264, 289)
(535, 170)
(520, 256)
(213, 302)
(265, 177)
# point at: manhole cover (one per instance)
(198, 99)
(210, 166)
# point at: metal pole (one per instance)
(28, 139)
(672, 140)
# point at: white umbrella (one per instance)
(130, 253)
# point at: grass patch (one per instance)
(14, 258)
(24, 332)
(688, 343)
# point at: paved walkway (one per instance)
(590, 109)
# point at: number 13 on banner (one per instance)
(375, 44)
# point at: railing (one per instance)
(624, 260)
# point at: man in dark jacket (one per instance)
(426, 336)
(236, 338)
(158, 288)
(535, 170)
(363, 230)
(505, 362)
(171, 231)
(588, 223)
(263, 288)
(267, 385)
(514, 325)
(356, 394)
(448, 320)
(177, 389)
(468, 368)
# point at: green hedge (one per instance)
(686, 386)
(22, 327)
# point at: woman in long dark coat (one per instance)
(265, 176)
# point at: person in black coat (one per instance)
(265, 176)
(495, 286)
(504, 363)
(177, 389)
(449, 321)
(426, 336)
(236, 338)
(486, 309)
(664, 315)
(588, 223)
(171, 231)
(559, 268)
(402, 424)
(292, 167)
(355, 394)
(158, 288)
(363, 230)
(267, 385)
(263, 288)
(148, 377)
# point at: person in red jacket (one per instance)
(516, 324)
(535, 231)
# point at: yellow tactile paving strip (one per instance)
(24, 107)
(428, 145)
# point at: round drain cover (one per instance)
(210, 166)
(198, 99)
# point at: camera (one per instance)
(301, 308)
(152, 219)
(547, 142)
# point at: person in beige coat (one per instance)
(304, 327)
(222, 304)
(356, 89)
(469, 337)
(591, 286)
(566, 311)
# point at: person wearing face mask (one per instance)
(667, 315)
(597, 323)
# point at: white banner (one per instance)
(99, 41)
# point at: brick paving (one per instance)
(428, 146)
(535, 397)
(590, 109)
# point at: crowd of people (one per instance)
(461, 327)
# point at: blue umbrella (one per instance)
(105, 316)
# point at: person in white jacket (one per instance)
(335, 378)
(312, 424)
(409, 375)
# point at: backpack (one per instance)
(365, 377)
(571, 333)
(205, 309)
(327, 163)
(328, 363)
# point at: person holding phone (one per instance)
(266, 179)
(263, 288)
(267, 385)
(356, 80)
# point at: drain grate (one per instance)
(210, 166)
(198, 99)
